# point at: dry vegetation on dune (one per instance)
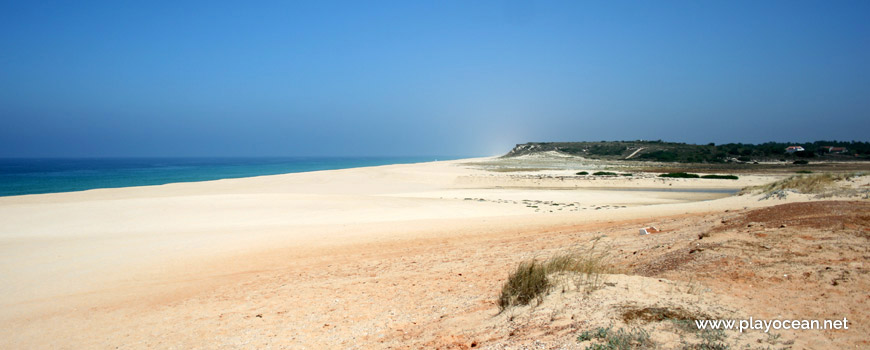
(823, 185)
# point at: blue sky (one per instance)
(221, 78)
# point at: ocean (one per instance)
(20, 176)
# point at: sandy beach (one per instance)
(437, 175)
(398, 256)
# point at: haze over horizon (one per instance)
(336, 78)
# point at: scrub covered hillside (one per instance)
(710, 153)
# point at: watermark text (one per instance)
(767, 325)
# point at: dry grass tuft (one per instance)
(528, 282)
(531, 280)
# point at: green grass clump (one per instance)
(528, 282)
(626, 174)
(681, 175)
(531, 280)
(604, 173)
(621, 339)
(724, 177)
(583, 173)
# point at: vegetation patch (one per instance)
(604, 173)
(661, 156)
(626, 174)
(527, 283)
(583, 173)
(532, 280)
(681, 175)
(683, 321)
(657, 314)
(708, 340)
(723, 177)
(621, 339)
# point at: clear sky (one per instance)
(233, 78)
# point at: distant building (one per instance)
(793, 149)
(832, 149)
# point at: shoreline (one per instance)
(178, 175)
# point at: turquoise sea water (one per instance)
(32, 176)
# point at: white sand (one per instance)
(61, 252)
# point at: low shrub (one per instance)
(583, 173)
(681, 175)
(620, 339)
(626, 174)
(604, 173)
(724, 177)
(805, 154)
